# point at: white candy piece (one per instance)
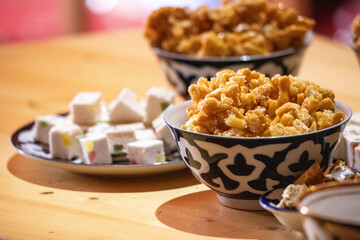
(131, 126)
(163, 132)
(125, 108)
(349, 146)
(118, 139)
(95, 149)
(146, 151)
(145, 134)
(100, 127)
(63, 141)
(157, 100)
(85, 108)
(43, 124)
(355, 119)
(356, 163)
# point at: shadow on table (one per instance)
(201, 213)
(41, 174)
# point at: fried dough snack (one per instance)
(249, 104)
(356, 30)
(240, 27)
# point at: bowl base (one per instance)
(239, 203)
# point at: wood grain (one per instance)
(40, 202)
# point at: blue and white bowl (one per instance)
(292, 219)
(183, 70)
(241, 169)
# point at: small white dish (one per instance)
(289, 218)
(332, 211)
(24, 143)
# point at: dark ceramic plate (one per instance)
(24, 142)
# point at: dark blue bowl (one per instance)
(241, 169)
(183, 70)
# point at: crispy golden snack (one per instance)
(356, 30)
(240, 27)
(249, 104)
(314, 175)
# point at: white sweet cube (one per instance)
(146, 151)
(356, 164)
(63, 141)
(118, 139)
(85, 108)
(43, 124)
(163, 132)
(100, 127)
(125, 108)
(95, 149)
(131, 126)
(355, 119)
(157, 100)
(145, 134)
(348, 144)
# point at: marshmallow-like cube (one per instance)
(131, 126)
(356, 163)
(118, 139)
(43, 124)
(146, 151)
(157, 100)
(63, 141)
(85, 108)
(125, 108)
(100, 127)
(163, 132)
(349, 146)
(145, 134)
(95, 149)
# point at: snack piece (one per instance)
(145, 134)
(157, 100)
(314, 175)
(132, 126)
(349, 143)
(146, 151)
(118, 139)
(248, 104)
(100, 127)
(162, 132)
(339, 172)
(291, 194)
(63, 141)
(125, 108)
(43, 124)
(85, 108)
(95, 149)
(235, 28)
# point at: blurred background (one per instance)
(24, 20)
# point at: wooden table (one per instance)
(41, 202)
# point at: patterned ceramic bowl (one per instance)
(182, 70)
(240, 170)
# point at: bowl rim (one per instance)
(265, 203)
(321, 187)
(243, 58)
(337, 102)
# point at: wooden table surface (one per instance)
(41, 202)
